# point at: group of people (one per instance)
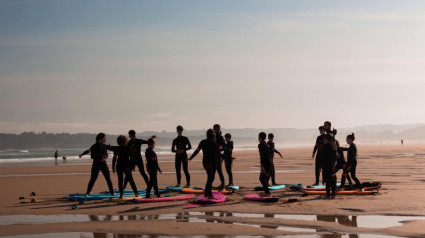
(216, 150)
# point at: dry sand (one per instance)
(400, 169)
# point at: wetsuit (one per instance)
(272, 151)
(123, 167)
(210, 155)
(352, 163)
(228, 160)
(266, 165)
(318, 151)
(221, 144)
(180, 145)
(340, 163)
(328, 166)
(136, 158)
(99, 154)
(153, 168)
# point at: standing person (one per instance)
(228, 159)
(273, 150)
(121, 164)
(135, 146)
(99, 154)
(221, 144)
(402, 142)
(153, 168)
(265, 161)
(329, 129)
(318, 152)
(341, 163)
(352, 159)
(56, 157)
(209, 160)
(180, 145)
(328, 165)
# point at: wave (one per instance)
(24, 151)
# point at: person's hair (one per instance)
(210, 134)
(151, 142)
(329, 138)
(131, 133)
(352, 136)
(179, 128)
(322, 128)
(271, 135)
(217, 126)
(122, 140)
(262, 135)
(100, 136)
(228, 135)
(328, 123)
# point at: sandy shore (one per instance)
(400, 169)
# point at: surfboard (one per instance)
(174, 189)
(219, 198)
(101, 196)
(257, 198)
(166, 199)
(301, 186)
(317, 187)
(351, 192)
(234, 187)
(273, 187)
(201, 191)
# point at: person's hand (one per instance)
(160, 171)
(281, 156)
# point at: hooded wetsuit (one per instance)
(180, 145)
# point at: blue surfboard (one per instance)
(273, 187)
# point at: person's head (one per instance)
(328, 139)
(327, 125)
(351, 138)
(151, 143)
(211, 135)
(179, 130)
(132, 134)
(262, 136)
(270, 136)
(122, 140)
(101, 138)
(217, 128)
(322, 130)
(228, 137)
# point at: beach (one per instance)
(400, 170)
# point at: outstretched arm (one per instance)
(277, 152)
(195, 153)
(84, 153)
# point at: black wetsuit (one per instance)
(211, 154)
(266, 164)
(124, 167)
(153, 168)
(352, 162)
(221, 144)
(228, 160)
(340, 163)
(136, 158)
(180, 145)
(318, 151)
(272, 151)
(99, 154)
(328, 166)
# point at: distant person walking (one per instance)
(56, 157)
(402, 142)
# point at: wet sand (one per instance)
(400, 169)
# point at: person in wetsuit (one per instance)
(318, 152)
(352, 159)
(265, 161)
(341, 163)
(329, 129)
(99, 154)
(153, 168)
(221, 145)
(180, 145)
(273, 150)
(135, 146)
(228, 159)
(210, 155)
(121, 164)
(328, 165)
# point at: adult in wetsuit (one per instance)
(318, 152)
(221, 144)
(328, 128)
(341, 163)
(153, 169)
(228, 159)
(121, 164)
(352, 159)
(273, 150)
(99, 154)
(180, 145)
(210, 154)
(328, 165)
(265, 161)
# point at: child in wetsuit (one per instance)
(99, 154)
(318, 152)
(180, 145)
(265, 161)
(328, 165)
(273, 150)
(153, 168)
(341, 163)
(352, 159)
(221, 144)
(228, 159)
(121, 164)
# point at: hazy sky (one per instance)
(89, 66)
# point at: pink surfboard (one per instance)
(257, 198)
(219, 198)
(167, 199)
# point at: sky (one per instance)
(111, 66)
